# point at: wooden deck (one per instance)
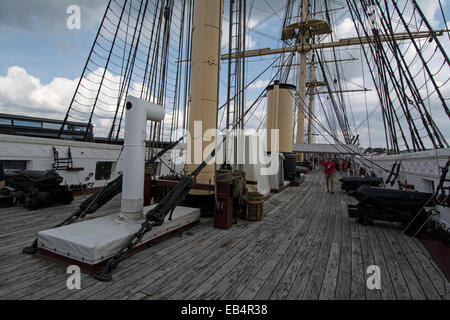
(306, 247)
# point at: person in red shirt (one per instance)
(2, 176)
(329, 167)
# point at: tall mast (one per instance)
(312, 82)
(205, 68)
(302, 85)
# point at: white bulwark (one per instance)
(325, 148)
(88, 157)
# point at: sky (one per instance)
(41, 60)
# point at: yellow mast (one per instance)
(205, 67)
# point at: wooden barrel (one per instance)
(254, 206)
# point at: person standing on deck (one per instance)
(329, 167)
(2, 176)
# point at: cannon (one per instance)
(353, 183)
(7, 197)
(405, 207)
(38, 189)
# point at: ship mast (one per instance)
(302, 84)
(312, 82)
(393, 79)
(205, 70)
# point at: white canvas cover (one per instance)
(276, 181)
(96, 240)
(253, 170)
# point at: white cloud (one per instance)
(346, 29)
(252, 22)
(21, 93)
(250, 40)
(24, 94)
(259, 84)
(430, 9)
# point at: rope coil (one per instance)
(237, 180)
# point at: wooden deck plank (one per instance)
(256, 285)
(237, 288)
(267, 266)
(57, 289)
(329, 283)
(294, 234)
(185, 286)
(229, 240)
(234, 291)
(286, 227)
(305, 247)
(312, 290)
(411, 280)
(292, 225)
(133, 268)
(368, 260)
(343, 286)
(398, 282)
(358, 283)
(434, 273)
(148, 276)
(387, 287)
(309, 253)
(127, 278)
(281, 289)
(219, 271)
(202, 269)
(425, 282)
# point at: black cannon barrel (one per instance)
(353, 183)
(393, 198)
(28, 180)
